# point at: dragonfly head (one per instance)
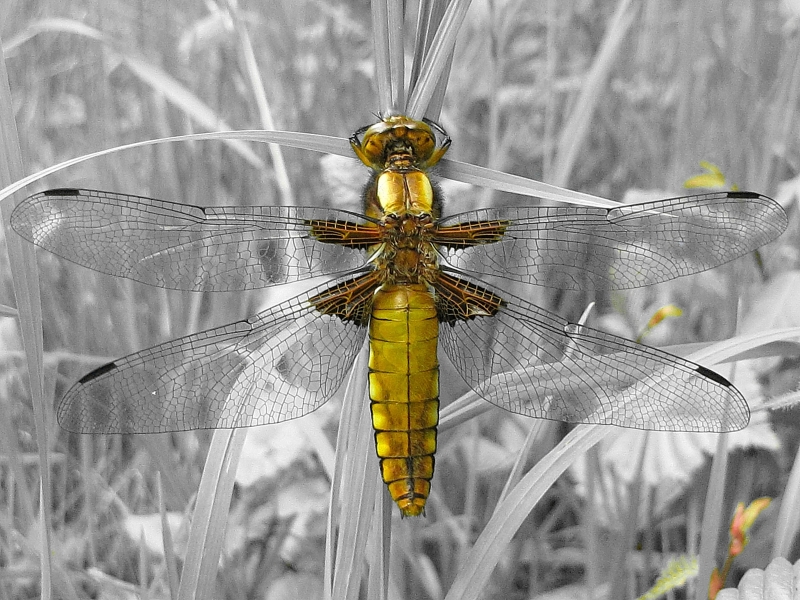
(400, 142)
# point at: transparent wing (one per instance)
(629, 246)
(531, 362)
(280, 364)
(183, 247)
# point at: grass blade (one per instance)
(170, 559)
(573, 136)
(788, 523)
(396, 52)
(380, 40)
(151, 75)
(506, 182)
(517, 505)
(349, 485)
(198, 580)
(437, 58)
(429, 16)
(359, 481)
(712, 517)
(306, 141)
(379, 545)
(25, 276)
(264, 110)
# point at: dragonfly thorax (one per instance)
(402, 193)
(407, 254)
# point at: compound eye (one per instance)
(423, 143)
(373, 147)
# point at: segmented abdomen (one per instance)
(404, 388)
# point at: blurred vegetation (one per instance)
(684, 82)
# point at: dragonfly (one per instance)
(412, 280)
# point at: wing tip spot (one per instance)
(743, 194)
(713, 376)
(62, 192)
(97, 372)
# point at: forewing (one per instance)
(277, 365)
(532, 362)
(183, 247)
(625, 247)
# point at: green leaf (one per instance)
(713, 178)
(677, 572)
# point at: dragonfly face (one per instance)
(401, 143)
(410, 278)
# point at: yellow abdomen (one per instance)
(404, 388)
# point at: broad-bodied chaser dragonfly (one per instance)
(410, 278)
